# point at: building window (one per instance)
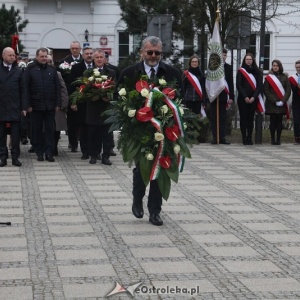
(128, 44)
(254, 44)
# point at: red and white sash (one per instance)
(226, 89)
(294, 81)
(279, 90)
(252, 81)
(196, 85)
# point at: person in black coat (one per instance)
(98, 136)
(226, 97)
(75, 55)
(42, 88)
(12, 101)
(151, 54)
(247, 96)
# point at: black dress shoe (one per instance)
(3, 162)
(224, 142)
(84, 156)
(106, 161)
(156, 220)
(50, 158)
(137, 210)
(31, 149)
(73, 149)
(40, 158)
(93, 161)
(16, 162)
(112, 153)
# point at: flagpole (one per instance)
(217, 106)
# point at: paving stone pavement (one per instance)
(231, 228)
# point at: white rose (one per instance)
(176, 149)
(162, 82)
(144, 92)
(104, 77)
(158, 136)
(181, 110)
(131, 113)
(164, 109)
(96, 72)
(98, 79)
(149, 156)
(184, 126)
(122, 92)
(91, 78)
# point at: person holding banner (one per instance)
(277, 90)
(249, 83)
(295, 84)
(226, 98)
(194, 86)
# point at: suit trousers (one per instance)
(43, 127)
(139, 190)
(15, 140)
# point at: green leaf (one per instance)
(184, 150)
(173, 172)
(130, 150)
(164, 184)
(145, 168)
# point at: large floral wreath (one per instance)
(93, 86)
(152, 129)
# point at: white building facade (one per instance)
(56, 23)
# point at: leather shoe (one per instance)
(3, 162)
(93, 161)
(50, 158)
(40, 158)
(112, 153)
(16, 162)
(73, 149)
(224, 142)
(156, 220)
(31, 149)
(84, 156)
(106, 161)
(137, 210)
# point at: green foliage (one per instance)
(10, 24)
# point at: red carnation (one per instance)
(81, 88)
(141, 84)
(165, 162)
(170, 93)
(144, 114)
(172, 133)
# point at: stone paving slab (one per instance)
(231, 228)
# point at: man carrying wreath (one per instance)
(151, 65)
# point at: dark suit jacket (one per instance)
(229, 78)
(96, 108)
(168, 72)
(70, 59)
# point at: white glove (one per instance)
(279, 103)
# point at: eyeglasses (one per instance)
(150, 52)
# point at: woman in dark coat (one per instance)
(249, 83)
(277, 89)
(193, 99)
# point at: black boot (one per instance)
(278, 142)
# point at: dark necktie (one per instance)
(90, 66)
(152, 73)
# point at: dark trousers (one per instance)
(43, 127)
(15, 140)
(296, 119)
(222, 119)
(139, 190)
(25, 127)
(83, 138)
(73, 128)
(247, 112)
(276, 126)
(98, 140)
